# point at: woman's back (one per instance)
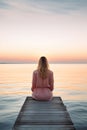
(46, 82)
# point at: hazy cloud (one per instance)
(45, 6)
(4, 4)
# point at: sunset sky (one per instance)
(56, 29)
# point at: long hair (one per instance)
(43, 67)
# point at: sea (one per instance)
(70, 83)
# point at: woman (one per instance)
(42, 81)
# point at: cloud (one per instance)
(57, 6)
(4, 4)
(45, 6)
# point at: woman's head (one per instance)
(43, 67)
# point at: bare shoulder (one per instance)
(35, 71)
(50, 72)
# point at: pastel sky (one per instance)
(56, 29)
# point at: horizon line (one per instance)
(74, 62)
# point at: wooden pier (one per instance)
(43, 115)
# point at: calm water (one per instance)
(70, 84)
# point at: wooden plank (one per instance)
(55, 104)
(45, 127)
(43, 115)
(42, 111)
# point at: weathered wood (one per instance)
(43, 115)
(45, 127)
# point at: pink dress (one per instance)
(42, 88)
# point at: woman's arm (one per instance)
(33, 81)
(51, 82)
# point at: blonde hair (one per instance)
(43, 67)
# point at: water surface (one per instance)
(70, 84)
